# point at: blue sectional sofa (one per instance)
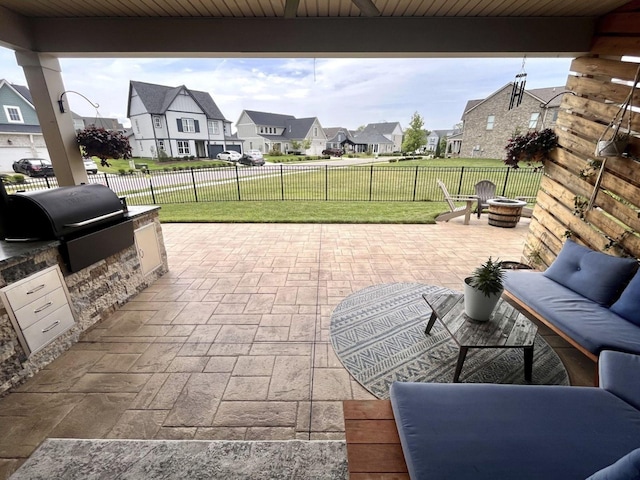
(589, 298)
(483, 431)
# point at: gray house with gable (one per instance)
(179, 121)
(267, 131)
(20, 133)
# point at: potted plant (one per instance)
(104, 144)
(483, 289)
(531, 147)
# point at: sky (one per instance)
(339, 91)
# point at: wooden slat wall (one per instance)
(599, 83)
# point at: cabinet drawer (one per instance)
(31, 289)
(40, 308)
(48, 328)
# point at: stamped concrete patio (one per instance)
(233, 343)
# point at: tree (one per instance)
(414, 136)
(306, 144)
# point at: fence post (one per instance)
(281, 183)
(46, 179)
(238, 182)
(153, 195)
(326, 183)
(106, 179)
(195, 190)
(415, 184)
(460, 182)
(371, 183)
(506, 179)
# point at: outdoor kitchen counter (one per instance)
(95, 291)
(10, 251)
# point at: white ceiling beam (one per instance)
(313, 37)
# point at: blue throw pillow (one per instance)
(627, 468)
(628, 305)
(594, 275)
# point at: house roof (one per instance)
(541, 94)
(24, 91)
(267, 118)
(299, 127)
(385, 128)
(441, 133)
(158, 98)
(371, 137)
(19, 128)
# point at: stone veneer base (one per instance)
(96, 292)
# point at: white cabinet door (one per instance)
(148, 250)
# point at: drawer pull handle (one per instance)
(35, 289)
(51, 327)
(43, 307)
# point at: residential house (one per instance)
(178, 121)
(336, 136)
(488, 123)
(379, 138)
(434, 138)
(20, 133)
(80, 123)
(266, 131)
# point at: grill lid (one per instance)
(57, 212)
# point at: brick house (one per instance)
(488, 124)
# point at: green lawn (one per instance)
(303, 212)
(117, 165)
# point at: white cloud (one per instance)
(339, 91)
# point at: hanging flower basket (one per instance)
(531, 147)
(104, 144)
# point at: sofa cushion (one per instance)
(627, 468)
(594, 327)
(595, 275)
(620, 375)
(628, 305)
(485, 431)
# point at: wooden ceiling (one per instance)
(302, 28)
(309, 8)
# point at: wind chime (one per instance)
(517, 92)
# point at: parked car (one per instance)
(90, 166)
(33, 167)
(333, 152)
(255, 153)
(229, 155)
(252, 160)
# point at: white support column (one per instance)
(45, 84)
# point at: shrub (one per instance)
(122, 171)
(275, 153)
(18, 178)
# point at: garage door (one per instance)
(235, 148)
(214, 150)
(8, 155)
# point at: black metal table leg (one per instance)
(461, 357)
(528, 363)
(430, 323)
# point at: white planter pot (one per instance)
(477, 305)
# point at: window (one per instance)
(157, 122)
(216, 127)
(533, 121)
(14, 115)
(490, 121)
(315, 131)
(188, 125)
(137, 126)
(261, 129)
(183, 148)
(161, 145)
(226, 129)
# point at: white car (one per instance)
(90, 166)
(229, 155)
(255, 153)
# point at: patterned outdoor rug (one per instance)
(378, 334)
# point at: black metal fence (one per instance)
(305, 182)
